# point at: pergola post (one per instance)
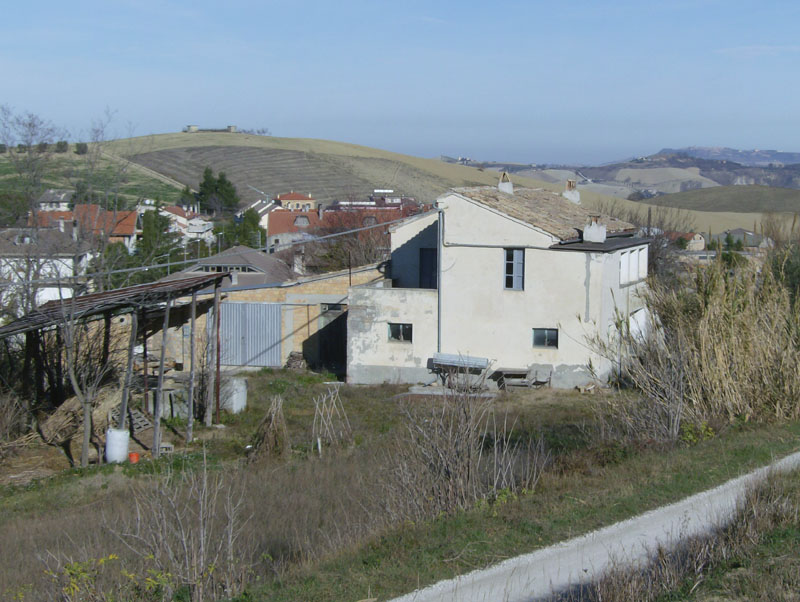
(126, 386)
(157, 406)
(190, 418)
(218, 378)
(145, 367)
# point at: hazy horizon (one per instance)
(529, 82)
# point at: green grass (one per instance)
(564, 505)
(740, 199)
(590, 485)
(65, 170)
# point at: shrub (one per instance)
(3, 149)
(62, 146)
(722, 349)
(81, 148)
(42, 147)
(21, 148)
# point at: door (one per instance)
(250, 334)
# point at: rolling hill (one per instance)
(327, 170)
(335, 170)
(765, 199)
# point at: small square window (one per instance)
(545, 337)
(400, 332)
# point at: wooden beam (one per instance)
(126, 386)
(218, 314)
(145, 367)
(190, 418)
(157, 406)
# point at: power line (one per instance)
(85, 277)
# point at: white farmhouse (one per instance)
(519, 278)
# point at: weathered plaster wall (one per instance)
(371, 356)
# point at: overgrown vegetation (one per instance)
(720, 350)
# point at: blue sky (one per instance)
(524, 81)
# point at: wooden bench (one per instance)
(521, 377)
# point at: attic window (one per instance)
(370, 220)
(301, 221)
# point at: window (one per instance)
(545, 337)
(633, 266)
(515, 269)
(332, 307)
(301, 221)
(370, 220)
(400, 332)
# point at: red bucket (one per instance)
(133, 457)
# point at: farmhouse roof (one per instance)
(546, 210)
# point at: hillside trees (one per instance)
(217, 194)
(243, 231)
(33, 136)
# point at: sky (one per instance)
(527, 81)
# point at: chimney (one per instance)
(594, 230)
(505, 184)
(571, 193)
(299, 264)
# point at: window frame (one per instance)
(548, 340)
(514, 268)
(405, 333)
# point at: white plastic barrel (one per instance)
(116, 445)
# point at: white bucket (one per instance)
(116, 445)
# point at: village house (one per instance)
(295, 201)
(40, 265)
(517, 279)
(692, 240)
(92, 224)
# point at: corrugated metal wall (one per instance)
(250, 334)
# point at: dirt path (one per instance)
(584, 558)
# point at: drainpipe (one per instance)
(440, 223)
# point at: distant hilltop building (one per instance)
(192, 129)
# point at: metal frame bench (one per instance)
(449, 366)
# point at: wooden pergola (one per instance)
(136, 301)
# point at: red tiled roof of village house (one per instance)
(282, 221)
(180, 211)
(50, 219)
(673, 235)
(93, 218)
(294, 196)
